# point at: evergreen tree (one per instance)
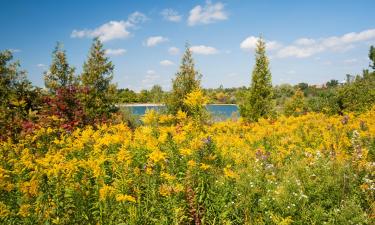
(100, 93)
(371, 55)
(259, 101)
(187, 80)
(60, 74)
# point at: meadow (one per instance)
(311, 169)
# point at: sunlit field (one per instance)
(306, 170)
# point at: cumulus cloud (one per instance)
(111, 30)
(171, 15)
(250, 43)
(306, 47)
(209, 13)
(350, 61)
(166, 63)
(204, 50)
(173, 51)
(305, 41)
(155, 40)
(115, 52)
(150, 77)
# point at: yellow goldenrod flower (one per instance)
(106, 191)
(125, 198)
(157, 156)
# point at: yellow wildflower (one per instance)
(4, 211)
(157, 156)
(165, 190)
(185, 151)
(166, 118)
(150, 117)
(125, 198)
(106, 191)
(229, 173)
(167, 176)
(191, 163)
(181, 115)
(24, 210)
(196, 98)
(205, 166)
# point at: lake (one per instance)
(218, 111)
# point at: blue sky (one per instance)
(308, 41)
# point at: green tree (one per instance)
(187, 80)
(60, 73)
(371, 55)
(332, 83)
(296, 105)
(17, 96)
(156, 93)
(100, 97)
(144, 96)
(259, 101)
(126, 96)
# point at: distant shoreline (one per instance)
(155, 104)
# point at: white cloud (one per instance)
(306, 47)
(115, 52)
(210, 13)
(41, 65)
(150, 78)
(350, 61)
(250, 43)
(204, 50)
(150, 72)
(166, 63)
(305, 41)
(173, 51)
(155, 40)
(111, 30)
(299, 52)
(171, 15)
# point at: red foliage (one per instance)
(66, 106)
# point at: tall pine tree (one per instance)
(99, 100)
(259, 101)
(60, 74)
(187, 79)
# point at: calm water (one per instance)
(223, 111)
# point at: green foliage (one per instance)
(359, 95)
(157, 94)
(60, 74)
(371, 55)
(99, 101)
(259, 102)
(303, 86)
(296, 105)
(324, 101)
(332, 83)
(144, 96)
(187, 79)
(126, 96)
(18, 99)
